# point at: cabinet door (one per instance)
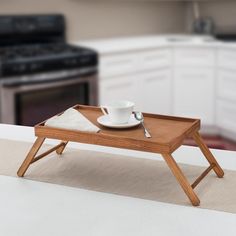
(194, 93)
(227, 58)
(226, 113)
(155, 91)
(118, 88)
(226, 84)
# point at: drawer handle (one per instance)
(111, 63)
(155, 58)
(199, 76)
(124, 85)
(193, 55)
(156, 78)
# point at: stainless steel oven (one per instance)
(30, 99)
(40, 73)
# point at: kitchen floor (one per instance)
(216, 142)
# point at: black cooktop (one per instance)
(20, 60)
(42, 50)
(36, 43)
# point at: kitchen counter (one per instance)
(106, 46)
(167, 69)
(64, 210)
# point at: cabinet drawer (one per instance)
(118, 88)
(194, 57)
(226, 115)
(154, 59)
(117, 64)
(227, 58)
(226, 86)
(121, 64)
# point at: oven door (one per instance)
(30, 103)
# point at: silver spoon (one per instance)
(139, 116)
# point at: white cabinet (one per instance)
(226, 113)
(184, 79)
(155, 91)
(118, 88)
(194, 83)
(226, 92)
(146, 77)
(143, 77)
(226, 84)
(151, 91)
(194, 56)
(194, 93)
(133, 62)
(154, 59)
(117, 64)
(227, 58)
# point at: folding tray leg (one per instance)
(60, 150)
(207, 153)
(30, 156)
(181, 179)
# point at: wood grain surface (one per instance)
(167, 132)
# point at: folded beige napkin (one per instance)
(72, 119)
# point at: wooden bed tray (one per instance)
(168, 134)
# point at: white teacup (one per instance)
(119, 112)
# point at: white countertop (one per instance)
(35, 208)
(116, 45)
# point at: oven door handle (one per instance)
(48, 77)
(16, 83)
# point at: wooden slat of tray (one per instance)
(167, 132)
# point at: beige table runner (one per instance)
(123, 175)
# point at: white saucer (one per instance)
(105, 121)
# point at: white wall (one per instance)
(89, 19)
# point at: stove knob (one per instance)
(84, 60)
(22, 68)
(34, 66)
(71, 62)
(19, 68)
